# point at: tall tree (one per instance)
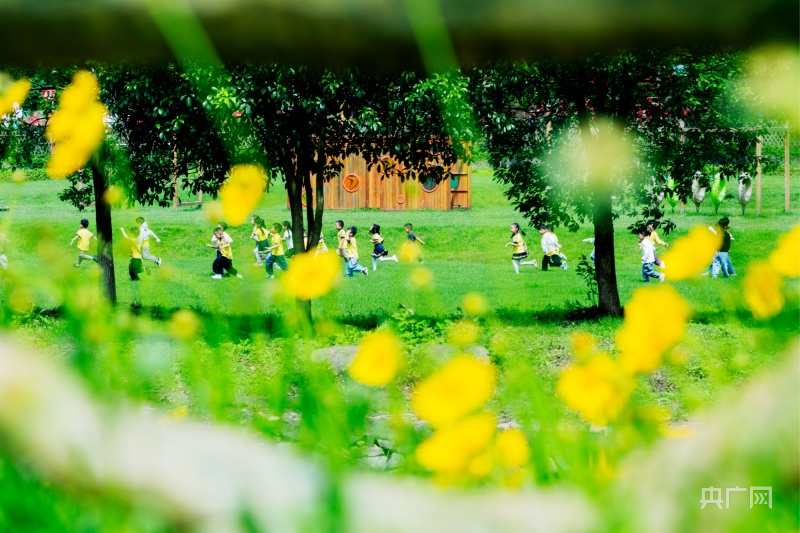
(665, 107)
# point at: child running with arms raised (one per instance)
(520, 248)
(379, 252)
(277, 254)
(144, 241)
(224, 260)
(84, 237)
(352, 253)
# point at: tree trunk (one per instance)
(105, 254)
(294, 187)
(605, 266)
(603, 220)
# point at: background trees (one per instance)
(558, 135)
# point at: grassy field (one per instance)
(528, 328)
(465, 252)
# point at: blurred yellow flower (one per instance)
(464, 332)
(16, 93)
(474, 304)
(241, 193)
(21, 300)
(18, 176)
(772, 73)
(77, 128)
(409, 252)
(450, 449)
(421, 277)
(785, 259)
(184, 325)
(311, 276)
(180, 412)
(655, 320)
(481, 465)
(607, 154)
(512, 448)
(113, 195)
(762, 290)
(597, 390)
(378, 359)
(213, 211)
(461, 386)
(690, 255)
(583, 345)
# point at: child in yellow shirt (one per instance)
(654, 238)
(352, 253)
(224, 260)
(135, 266)
(277, 253)
(520, 249)
(84, 237)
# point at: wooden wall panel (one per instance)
(378, 191)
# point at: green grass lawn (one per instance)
(465, 251)
(528, 330)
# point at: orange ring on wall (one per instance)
(349, 179)
(401, 199)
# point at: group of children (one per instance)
(550, 247)
(347, 247)
(275, 243)
(138, 244)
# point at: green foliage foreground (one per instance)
(243, 364)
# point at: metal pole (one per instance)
(786, 170)
(759, 140)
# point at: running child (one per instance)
(341, 234)
(3, 258)
(221, 242)
(551, 248)
(261, 236)
(321, 246)
(413, 240)
(651, 226)
(84, 237)
(648, 256)
(379, 252)
(277, 254)
(135, 266)
(520, 248)
(352, 253)
(144, 241)
(288, 241)
(722, 259)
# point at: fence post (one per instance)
(786, 169)
(759, 140)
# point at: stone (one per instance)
(338, 357)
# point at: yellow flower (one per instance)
(464, 332)
(474, 304)
(655, 320)
(450, 449)
(597, 390)
(18, 176)
(512, 448)
(378, 359)
(421, 277)
(184, 325)
(113, 195)
(16, 93)
(77, 128)
(241, 193)
(583, 345)
(785, 259)
(461, 386)
(213, 211)
(409, 252)
(691, 255)
(311, 277)
(762, 291)
(481, 465)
